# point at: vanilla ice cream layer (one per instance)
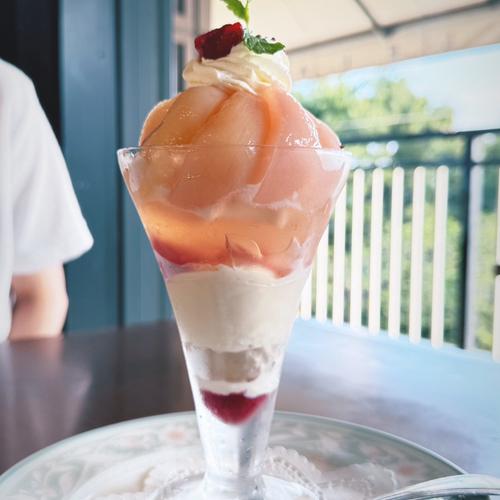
(233, 309)
(264, 384)
(251, 372)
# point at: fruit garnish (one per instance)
(219, 42)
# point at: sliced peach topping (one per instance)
(235, 206)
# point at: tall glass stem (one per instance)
(234, 431)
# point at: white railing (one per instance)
(360, 275)
(439, 257)
(376, 230)
(496, 303)
(339, 226)
(358, 214)
(394, 315)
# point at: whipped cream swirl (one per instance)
(241, 68)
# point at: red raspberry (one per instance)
(219, 42)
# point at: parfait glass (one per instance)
(234, 230)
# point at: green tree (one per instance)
(391, 108)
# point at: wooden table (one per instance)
(447, 400)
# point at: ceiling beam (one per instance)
(375, 25)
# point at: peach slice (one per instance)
(241, 120)
(288, 170)
(206, 177)
(154, 119)
(327, 137)
(296, 175)
(178, 122)
(179, 236)
(290, 124)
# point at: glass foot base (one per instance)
(286, 476)
(272, 488)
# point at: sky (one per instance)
(468, 81)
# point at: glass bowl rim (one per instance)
(342, 153)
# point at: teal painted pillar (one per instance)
(89, 135)
(115, 60)
(145, 37)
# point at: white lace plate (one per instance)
(130, 460)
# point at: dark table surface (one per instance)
(447, 400)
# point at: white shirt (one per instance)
(41, 224)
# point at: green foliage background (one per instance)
(391, 109)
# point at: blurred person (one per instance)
(41, 225)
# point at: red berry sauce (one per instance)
(232, 408)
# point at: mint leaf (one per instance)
(237, 8)
(260, 45)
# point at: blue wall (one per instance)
(115, 59)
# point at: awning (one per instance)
(332, 36)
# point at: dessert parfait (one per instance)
(234, 182)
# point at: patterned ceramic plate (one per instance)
(117, 458)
